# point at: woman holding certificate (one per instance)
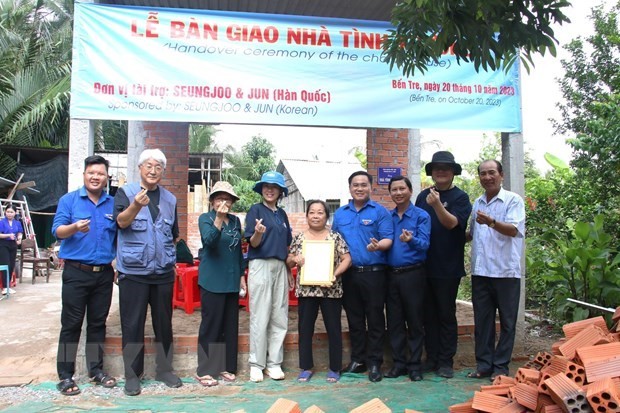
(321, 257)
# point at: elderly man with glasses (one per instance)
(148, 228)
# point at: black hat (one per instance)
(445, 158)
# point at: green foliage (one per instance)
(111, 135)
(489, 33)
(591, 111)
(246, 167)
(201, 139)
(247, 196)
(35, 69)
(581, 262)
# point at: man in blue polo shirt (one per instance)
(85, 224)
(406, 281)
(367, 228)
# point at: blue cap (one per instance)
(271, 177)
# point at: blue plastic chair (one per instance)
(5, 268)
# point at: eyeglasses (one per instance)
(149, 167)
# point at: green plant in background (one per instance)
(579, 261)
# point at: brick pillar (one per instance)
(386, 148)
(173, 139)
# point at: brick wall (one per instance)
(173, 139)
(386, 148)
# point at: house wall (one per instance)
(173, 139)
(386, 148)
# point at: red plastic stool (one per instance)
(292, 300)
(186, 293)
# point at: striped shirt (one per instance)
(493, 254)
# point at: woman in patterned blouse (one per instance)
(311, 297)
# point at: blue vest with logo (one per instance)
(146, 247)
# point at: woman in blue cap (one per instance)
(269, 234)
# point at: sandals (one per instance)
(304, 376)
(478, 374)
(102, 379)
(67, 387)
(333, 376)
(206, 380)
(227, 376)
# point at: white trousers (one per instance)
(268, 289)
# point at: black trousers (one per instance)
(440, 324)
(364, 303)
(405, 318)
(218, 335)
(308, 310)
(134, 299)
(490, 295)
(8, 252)
(87, 294)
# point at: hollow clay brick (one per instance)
(313, 409)
(513, 407)
(603, 396)
(572, 329)
(526, 395)
(601, 368)
(527, 376)
(616, 316)
(589, 336)
(497, 389)
(543, 358)
(575, 372)
(567, 393)
(543, 400)
(504, 380)
(553, 409)
(600, 351)
(284, 406)
(373, 406)
(489, 403)
(555, 347)
(462, 408)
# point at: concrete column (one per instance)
(136, 136)
(81, 145)
(415, 154)
(513, 161)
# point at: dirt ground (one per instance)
(31, 320)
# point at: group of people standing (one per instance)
(406, 263)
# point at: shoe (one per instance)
(4, 291)
(256, 374)
(476, 374)
(169, 379)
(395, 372)
(374, 374)
(132, 387)
(275, 373)
(415, 376)
(445, 372)
(429, 366)
(355, 367)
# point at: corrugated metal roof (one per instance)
(320, 179)
(349, 9)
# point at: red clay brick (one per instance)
(373, 406)
(589, 336)
(284, 406)
(527, 376)
(313, 409)
(572, 329)
(526, 395)
(462, 408)
(567, 393)
(513, 407)
(487, 402)
(603, 396)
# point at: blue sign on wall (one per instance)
(385, 174)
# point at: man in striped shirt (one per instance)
(497, 232)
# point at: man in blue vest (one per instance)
(87, 230)
(146, 257)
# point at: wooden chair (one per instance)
(39, 263)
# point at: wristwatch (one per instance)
(492, 224)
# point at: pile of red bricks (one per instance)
(581, 374)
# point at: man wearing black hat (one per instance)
(449, 209)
